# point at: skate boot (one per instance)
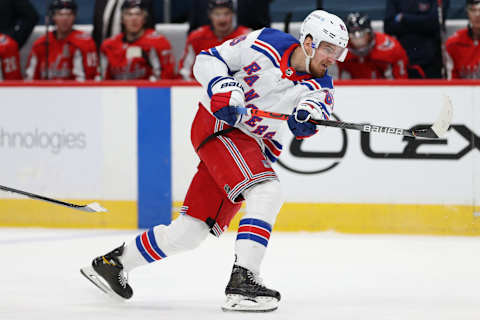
(107, 274)
(246, 292)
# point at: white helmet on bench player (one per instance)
(324, 26)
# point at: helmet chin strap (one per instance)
(307, 58)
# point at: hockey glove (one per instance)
(299, 125)
(226, 95)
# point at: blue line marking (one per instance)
(154, 157)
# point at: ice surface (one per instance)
(320, 275)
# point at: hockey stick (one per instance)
(286, 22)
(47, 42)
(443, 38)
(437, 130)
(92, 207)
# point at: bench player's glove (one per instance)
(226, 94)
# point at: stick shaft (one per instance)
(344, 125)
(46, 199)
(442, 38)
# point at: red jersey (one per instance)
(72, 58)
(148, 57)
(201, 39)
(9, 59)
(387, 59)
(464, 52)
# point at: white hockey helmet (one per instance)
(324, 26)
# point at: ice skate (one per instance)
(106, 272)
(246, 293)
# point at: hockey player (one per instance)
(71, 53)
(221, 14)
(371, 55)
(463, 47)
(266, 69)
(9, 59)
(136, 53)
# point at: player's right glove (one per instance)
(226, 94)
(299, 125)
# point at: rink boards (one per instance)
(129, 148)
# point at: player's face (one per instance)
(359, 39)
(326, 54)
(222, 19)
(64, 20)
(473, 12)
(133, 20)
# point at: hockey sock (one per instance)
(263, 203)
(252, 241)
(184, 233)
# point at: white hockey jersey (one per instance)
(260, 61)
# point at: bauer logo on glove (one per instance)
(231, 84)
(227, 95)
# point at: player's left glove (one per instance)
(226, 95)
(299, 125)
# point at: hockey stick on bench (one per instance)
(437, 130)
(92, 207)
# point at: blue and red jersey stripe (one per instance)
(272, 149)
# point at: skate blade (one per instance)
(239, 303)
(97, 280)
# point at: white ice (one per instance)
(320, 275)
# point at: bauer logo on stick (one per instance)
(379, 129)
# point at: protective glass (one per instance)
(332, 51)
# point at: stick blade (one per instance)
(441, 125)
(94, 207)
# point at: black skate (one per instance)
(107, 274)
(246, 292)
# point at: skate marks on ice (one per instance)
(320, 276)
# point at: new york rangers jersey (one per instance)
(200, 39)
(260, 61)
